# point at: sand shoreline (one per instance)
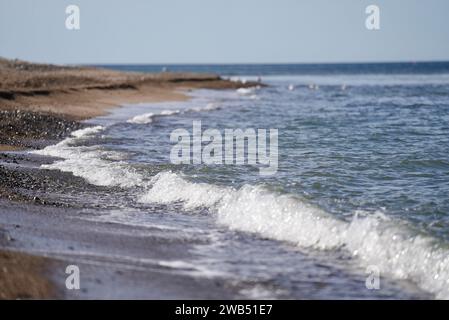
(67, 95)
(111, 266)
(40, 105)
(80, 93)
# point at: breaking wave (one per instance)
(142, 119)
(373, 239)
(147, 118)
(97, 166)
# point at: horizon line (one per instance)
(259, 63)
(409, 61)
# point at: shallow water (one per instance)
(362, 181)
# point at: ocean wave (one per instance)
(209, 107)
(86, 131)
(371, 239)
(245, 91)
(248, 92)
(97, 166)
(147, 118)
(168, 187)
(142, 119)
(169, 112)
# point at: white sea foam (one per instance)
(371, 239)
(248, 92)
(209, 107)
(97, 171)
(245, 91)
(86, 131)
(169, 187)
(97, 166)
(197, 269)
(59, 149)
(147, 118)
(169, 112)
(259, 292)
(142, 119)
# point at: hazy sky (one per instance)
(224, 31)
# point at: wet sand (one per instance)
(41, 233)
(115, 261)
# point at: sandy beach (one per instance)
(87, 183)
(40, 105)
(256, 154)
(80, 93)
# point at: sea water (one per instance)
(362, 179)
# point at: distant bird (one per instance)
(291, 87)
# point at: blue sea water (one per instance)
(362, 180)
(292, 69)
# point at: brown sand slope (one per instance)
(48, 95)
(86, 92)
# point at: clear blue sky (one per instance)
(225, 31)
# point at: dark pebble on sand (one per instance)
(23, 128)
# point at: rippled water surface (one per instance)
(363, 180)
